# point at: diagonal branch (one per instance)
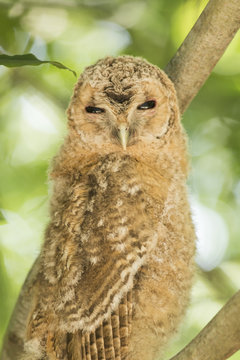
(202, 48)
(220, 338)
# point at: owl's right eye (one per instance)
(94, 110)
(147, 105)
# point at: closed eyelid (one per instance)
(94, 110)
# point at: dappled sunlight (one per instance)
(229, 63)
(39, 48)
(232, 268)
(236, 192)
(212, 236)
(130, 13)
(87, 44)
(46, 23)
(21, 236)
(210, 134)
(211, 174)
(202, 312)
(184, 18)
(39, 128)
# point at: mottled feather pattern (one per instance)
(106, 256)
(116, 267)
(108, 342)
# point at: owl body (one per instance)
(116, 267)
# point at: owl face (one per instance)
(139, 113)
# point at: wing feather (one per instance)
(109, 341)
(94, 270)
(113, 240)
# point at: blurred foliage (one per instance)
(33, 101)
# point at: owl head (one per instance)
(123, 102)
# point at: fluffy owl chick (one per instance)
(116, 267)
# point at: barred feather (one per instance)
(108, 342)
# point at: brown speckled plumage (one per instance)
(116, 267)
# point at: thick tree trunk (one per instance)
(202, 48)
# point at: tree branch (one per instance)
(202, 48)
(219, 339)
(14, 338)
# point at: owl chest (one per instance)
(122, 205)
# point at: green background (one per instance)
(33, 101)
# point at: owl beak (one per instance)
(123, 132)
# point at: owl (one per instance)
(115, 271)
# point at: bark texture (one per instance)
(202, 48)
(220, 338)
(15, 335)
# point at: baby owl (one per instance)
(115, 270)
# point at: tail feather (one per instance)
(123, 326)
(87, 346)
(116, 335)
(93, 347)
(108, 342)
(100, 343)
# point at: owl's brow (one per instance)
(120, 97)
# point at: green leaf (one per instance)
(28, 59)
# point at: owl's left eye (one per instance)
(94, 110)
(147, 105)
